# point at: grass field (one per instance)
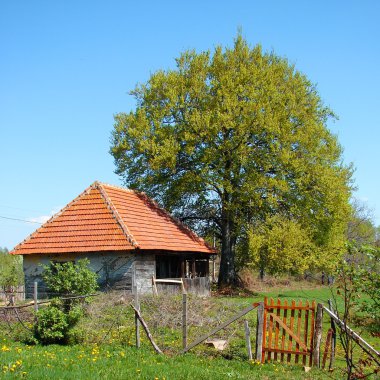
(117, 362)
(114, 357)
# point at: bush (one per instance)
(54, 322)
(51, 326)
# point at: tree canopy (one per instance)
(231, 138)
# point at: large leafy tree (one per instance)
(230, 138)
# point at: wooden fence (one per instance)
(12, 294)
(199, 286)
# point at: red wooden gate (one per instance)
(286, 330)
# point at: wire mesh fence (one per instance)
(110, 319)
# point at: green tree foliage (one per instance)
(54, 322)
(361, 228)
(281, 245)
(11, 272)
(230, 138)
(70, 278)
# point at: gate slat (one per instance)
(299, 320)
(264, 329)
(306, 328)
(290, 344)
(312, 332)
(277, 329)
(283, 331)
(270, 330)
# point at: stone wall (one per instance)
(119, 270)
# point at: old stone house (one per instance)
(125, 235)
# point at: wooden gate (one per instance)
(284, 330)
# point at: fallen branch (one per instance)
(148, 334)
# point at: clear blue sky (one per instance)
(66, 68)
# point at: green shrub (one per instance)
(51, 325)
(54, 322)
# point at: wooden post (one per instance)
(248, 339)
(193, 268)
(183, 274)
(259, 331)
(213, 269)
(333, 339)
(137, 322)
(35, 296)
(327, 347)
(184, 320)
(317, 336)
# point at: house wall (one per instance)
(120, 270)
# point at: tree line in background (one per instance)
(11, 272)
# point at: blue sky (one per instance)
(66, 68)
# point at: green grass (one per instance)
(116, 358)
(117, 362)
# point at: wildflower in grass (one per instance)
(5, 348)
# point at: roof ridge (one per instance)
(116, 187)
(115, 213)
(53, 217)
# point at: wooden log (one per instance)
(248, 339)
(220, 327)
(148, 334)
(317, 336)
(259, 331)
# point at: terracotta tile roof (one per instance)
(111, 218)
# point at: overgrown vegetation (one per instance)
(358, 288)
(106, 331)
(11, 273)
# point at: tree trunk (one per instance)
(227, 274)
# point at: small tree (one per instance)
(70, 279)
(357, 273)
(66, 279)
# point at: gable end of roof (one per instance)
(115, 214)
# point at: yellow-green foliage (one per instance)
(230, 138)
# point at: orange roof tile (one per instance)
(111, 218)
